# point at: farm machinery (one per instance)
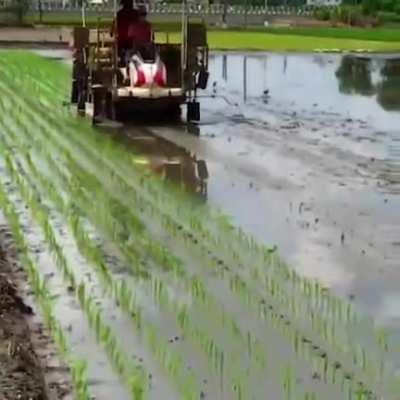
(108, 85)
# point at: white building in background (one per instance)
(324, 3)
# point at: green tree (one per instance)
(19, 8)
(371, 7)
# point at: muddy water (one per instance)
(304, 152)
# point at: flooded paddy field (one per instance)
(304, 151)
(154, 293)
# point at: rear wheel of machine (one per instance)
(74, 92)
(110, 111)
(81, 94)
(81, 103)
(98, 106)
(193, 111)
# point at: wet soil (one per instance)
(28, 367)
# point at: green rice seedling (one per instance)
(44, 299)
(134, 375)
(287, 383)
(94, 318)
(196, 285)
(87, 303)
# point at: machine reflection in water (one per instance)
(168, 160)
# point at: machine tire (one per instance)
(81, 89)
(81, 103)
(98, 108)
(202, 79)
(110, 111)
(193, 111)
(74, 92)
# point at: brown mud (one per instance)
(28, 367)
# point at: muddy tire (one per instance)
(193, 111)
(98, 106)
(74, 92)
(81, 101)
(111, 110)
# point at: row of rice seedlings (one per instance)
(49, 77)
(77, 367)
(160, 298)
(118, 289)
(121, 292)
(134, 375)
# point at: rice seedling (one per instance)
(118, 289)
(134, 375)
(76, 366)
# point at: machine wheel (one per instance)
(81, 95)
(202, 79)
(81, 101)
(99, 105)
(193, 111)
(110, 111)
(74, 92)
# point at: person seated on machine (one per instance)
(141, 65)
(126, 17)
(141, 35)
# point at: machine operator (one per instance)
(134, 32)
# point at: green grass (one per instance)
(269, 41)
(234, 40)
(370, 34)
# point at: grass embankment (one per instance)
(264, 39)
(271, 41)
(281, 41)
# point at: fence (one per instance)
(169, 9)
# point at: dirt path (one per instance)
(35, 36)
(28, 368)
